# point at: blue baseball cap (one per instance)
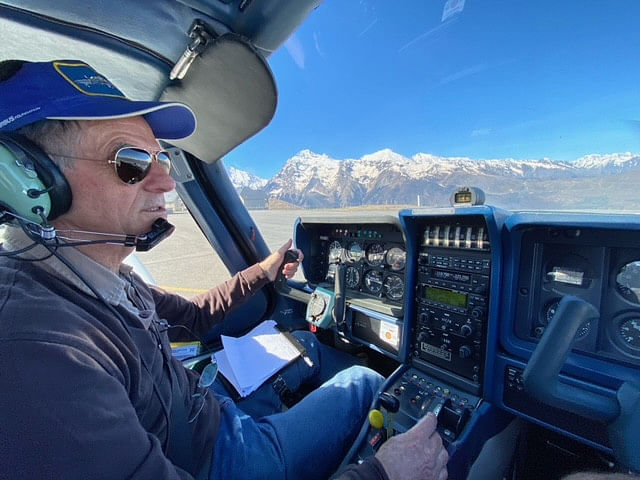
(72, 90)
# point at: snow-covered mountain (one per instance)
(241, 179)
(609, 164)
(314, 180)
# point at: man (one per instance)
(89, 386)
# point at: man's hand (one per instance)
(272, 263)
(417, 453)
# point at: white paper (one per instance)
(250, 360)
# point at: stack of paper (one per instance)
(248, 361)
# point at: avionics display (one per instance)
(449, 297)
(452, 276)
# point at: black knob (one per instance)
(389, 402)
(466, 330)
(424, 317)
(477, 312)
(464, 351)
(423, 337)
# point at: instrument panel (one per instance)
(467, 295)
(600, 266)
(450, 291)
(373, 253)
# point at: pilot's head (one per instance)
(104, 144)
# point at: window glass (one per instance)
(185, 263)
(384, 102)
(276, 227)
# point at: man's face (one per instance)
(101, 201)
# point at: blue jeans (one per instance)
(309, 440)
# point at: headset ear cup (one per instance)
(48, 172)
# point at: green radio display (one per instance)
(449, 297)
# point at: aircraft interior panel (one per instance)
(595, 262)
(366, 259)
(481, 288)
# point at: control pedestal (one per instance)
(418, 394)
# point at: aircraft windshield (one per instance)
(537, 103)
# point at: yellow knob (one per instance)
(376, 419)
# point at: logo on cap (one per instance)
(87, 80)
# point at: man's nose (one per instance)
(158, 180)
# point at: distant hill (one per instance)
(311, 180)
(241, 179)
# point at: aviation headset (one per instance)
(33, 188)
(31, 184)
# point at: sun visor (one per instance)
(231, 89)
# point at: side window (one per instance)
(276, 227)
(185, 263)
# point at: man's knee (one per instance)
(306, 337)
(362, 377)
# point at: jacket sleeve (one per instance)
(370, 469)
(66, 414)
(199, 314)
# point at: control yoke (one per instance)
(340, 306)
(541, 380)
(282, 285)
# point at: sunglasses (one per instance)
(132, 164)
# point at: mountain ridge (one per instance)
(312, 180)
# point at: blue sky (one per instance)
(500, 79)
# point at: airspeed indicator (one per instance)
(335, 251)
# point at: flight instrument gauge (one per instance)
(352, 277)
(396, 258)
(373, 281)
(375, 254)
(628, 281)
(550, 311)
(629, 331)
(394, 287)
(335, 251)
(355, 252)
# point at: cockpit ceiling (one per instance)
(136, 44)
(162, 25)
